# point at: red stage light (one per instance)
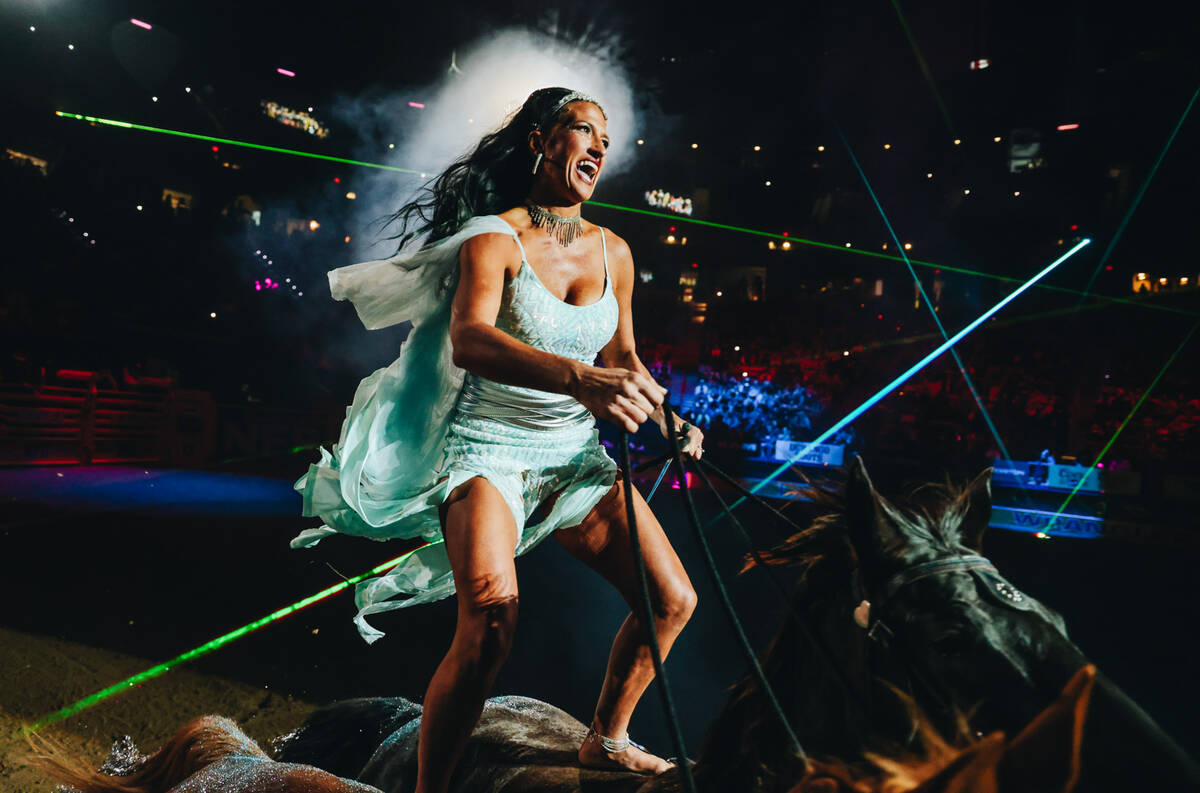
(216, 148)
(337, 180)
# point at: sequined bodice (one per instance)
(529, 312)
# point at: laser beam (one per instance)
(925, 297)
(227, 141)
(912, 370)
(636, 210)
(1100, 457)
(878, 255)
(912, 42)
(161, 669)
(1138, 198)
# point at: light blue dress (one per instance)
(421, 426)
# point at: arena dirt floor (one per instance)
(37, 673)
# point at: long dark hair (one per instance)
(494, 177)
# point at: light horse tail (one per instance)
(196, 745)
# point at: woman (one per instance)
(482, 433)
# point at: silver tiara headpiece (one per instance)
(574, 96)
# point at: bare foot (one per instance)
(593, 755)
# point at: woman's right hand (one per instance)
(622, 396)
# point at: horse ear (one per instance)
(1046, 755)
(978, 496)
(871, 532)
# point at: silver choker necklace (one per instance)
(565, 230)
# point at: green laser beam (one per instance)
(230, 142)
(664, 215)
(912, 42)
(886, 256)
(1138, 199)
(208, 647)
(983, 411)
(1100, 457)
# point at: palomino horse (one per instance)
(212, 755)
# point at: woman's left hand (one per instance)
(691, 439)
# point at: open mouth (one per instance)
(587, 171)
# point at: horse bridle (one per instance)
(902, 579)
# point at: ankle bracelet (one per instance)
(613, 746)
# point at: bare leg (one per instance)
(602, 543)
(480, 540)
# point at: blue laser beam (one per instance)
(925, 297)
(912, 370)
(1138, 198)
(658, 481)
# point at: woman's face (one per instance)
(574, 150)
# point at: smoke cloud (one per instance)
(492, 78)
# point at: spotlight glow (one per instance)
(285, 72)
(141, 24)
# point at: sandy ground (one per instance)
(39, 675)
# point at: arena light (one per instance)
(1066, 127)
(635, 210)
(912, 370)
(215, 644)
(141, 24)
(418, 105)
(983, 411)
(285, 72)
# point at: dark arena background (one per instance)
(938, 236)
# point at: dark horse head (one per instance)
(897, 595)
(939, 619)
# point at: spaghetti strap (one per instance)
(604, 248)
(517, 238)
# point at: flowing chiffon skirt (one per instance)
(403, 448)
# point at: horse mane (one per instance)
(745, 748)
(197, 744)
(933, 511)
